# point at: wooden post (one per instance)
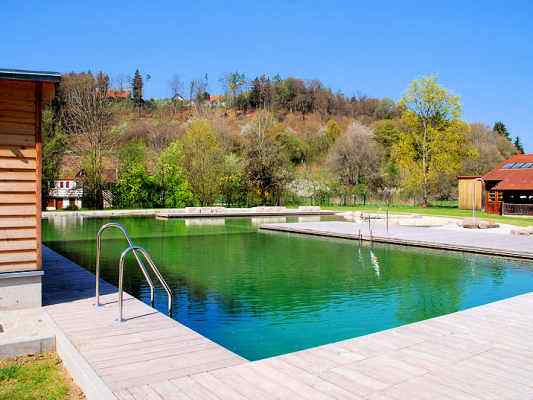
(38, 168)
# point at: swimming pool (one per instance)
(262, 294)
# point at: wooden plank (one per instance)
(18, 267)
(17, 187)
(18, 85)
(38, 167)
(17, 198)
(14, 139)
(27, 117)
(17, 90)
(17, 222)
(16, 128)
(48, 92)
(18, 256)
(17, 233)
(17, 163)
(17, 152)
(17, 175)
(17, 105)
(10, 210)
(10, 245)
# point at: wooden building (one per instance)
(470, 192)
(507, 189)
(22, 95)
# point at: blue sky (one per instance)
(481, 50)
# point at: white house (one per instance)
(64, 194)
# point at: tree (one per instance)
(332, 131)
(293, 147)
(261, 92)
(174, 189)
(391, 180)
(54, 144)
(102, 82)
(135, 187)
(265, 164)
(198, 92)
(137, 88)
(387, 134)
(354, 161)
(433, 134)
(490, 148)
(202, 161)
(176, 88)
(86, 116)
(518, 144)
(234, 83)
(501, 129)
(232, 182)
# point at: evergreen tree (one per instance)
(501, 129)
(137, 88)
(518, 144)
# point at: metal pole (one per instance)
(474, 202)
(97, 271)
(155, 270)
(121, 285)
(130, 244)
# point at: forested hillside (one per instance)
(267, 140)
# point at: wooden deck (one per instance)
(481, 353)
(148, 348)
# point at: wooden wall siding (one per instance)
(20, 192)
(466, 194)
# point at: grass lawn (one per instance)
(441, 211)
(37, 377)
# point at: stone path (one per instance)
(477, 241)
(481, 353)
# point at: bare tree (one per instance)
(120, 82)
(176, 88)
(87, 117)
(354, 160)
(198, 93)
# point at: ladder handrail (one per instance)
(121, 228)
(155, 270)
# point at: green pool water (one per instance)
(262, 294)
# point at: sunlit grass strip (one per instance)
(38, 377)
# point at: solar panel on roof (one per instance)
(508, 165)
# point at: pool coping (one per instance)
(382, 237)
(432, 356)
(168, 213)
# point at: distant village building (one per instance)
(118, 94)
(66, 194)
(506, 190)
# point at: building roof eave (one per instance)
(24, 75)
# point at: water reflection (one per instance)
(261, 294)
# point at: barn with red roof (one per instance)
(507, 189)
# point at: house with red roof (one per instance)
(506, 190)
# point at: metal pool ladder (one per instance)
(136, 250)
